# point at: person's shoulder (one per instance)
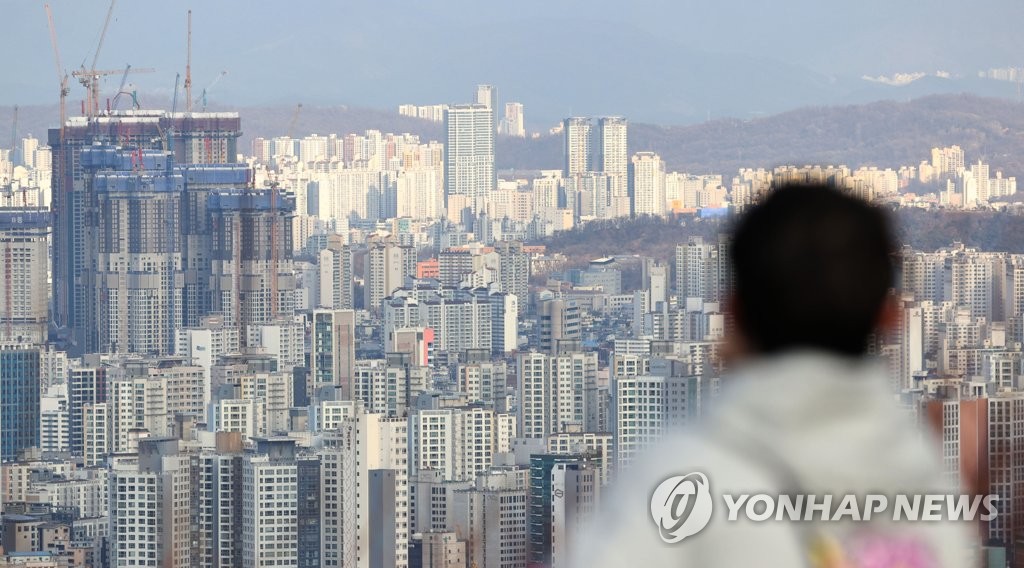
(696, 452)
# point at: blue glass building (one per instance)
(19, 400)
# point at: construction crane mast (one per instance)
(92, 78)
(62, 76)
(120, 88)
(202, 97)
(273, 252)
(14, 136)
(89, 78)
(188, 66)
(295, 119)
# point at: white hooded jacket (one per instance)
(804, 422)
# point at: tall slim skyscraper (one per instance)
(487, 95)
(333, 351)
(87, 386)
(578, 132)
(269, 512)
(335, 281)
(469, 156)
(611, 155)
(24, 309)
(514, 274)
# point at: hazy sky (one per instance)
(656, 58)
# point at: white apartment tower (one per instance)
(269, 510)
(610, 147)
(487, 95)
(647, 184)
(578, 132)
(514, 124)
(469, 156)
(553, 395)
(335, 270)
(646, 407)
(388, 264)
(150, 506)
(364, 488)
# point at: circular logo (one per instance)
(681, 506)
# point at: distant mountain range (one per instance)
(886, 134)
(655, 61)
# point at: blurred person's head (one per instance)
(812, 268)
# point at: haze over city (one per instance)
(657, 61)
(431, 285)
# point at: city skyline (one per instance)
(374, 346)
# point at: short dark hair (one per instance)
(812, 269)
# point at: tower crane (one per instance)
(208, 88)
(89, 78)
(14, 136)
(295, 119)
(62, 76)
(121, 91)
(188, 66)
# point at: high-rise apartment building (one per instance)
(596, 167)
(576, 497)
(387, 266)
(461, 320)
(611, 155)
(578, 132)
(151, 501)
(558, 320)
(514, 124)
(487, 95)
(948, 161)
(24, 256)
(646, 407)
(335, 271)
(364, 458)
(193, 138)
(702, 270)
(252, 278)
(494, 523)
(514, 272)
(19, 399)
(197, 225)
(333, 352)
(542, 503)
(553, 395)
(87, 385)
(458, 442)
(137, 276)
(647, 184)
(469, 156)
(269, 508)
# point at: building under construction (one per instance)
(189, 139)
(252, 278)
